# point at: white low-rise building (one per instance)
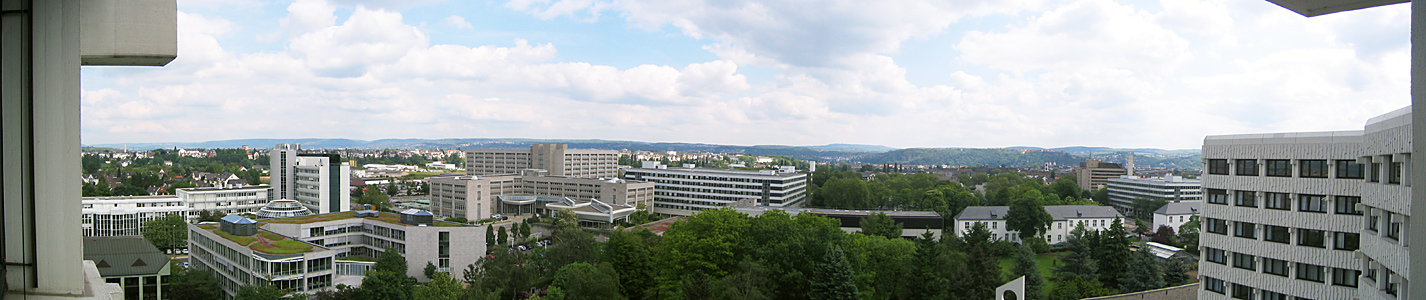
(1175, 214)
(1125, 189)
(125, 215)
(686, 190)
(1066, 218)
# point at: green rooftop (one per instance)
(384, 217)
(265, 241)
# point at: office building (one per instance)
(322, 182)
(913, 223)
(1314, 215)
(131, 262)
(473, 197)
(1094, 174)
(357, 236)
(1124, 189)
(240, 253)
(557, 159)
(235, 200)
(1066, 218)
(125, 215)
(1175, 214)
(281, 171)
(687, 190)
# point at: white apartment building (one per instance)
(125, 215)
(282, 161)
(473, 197)
(1316, 215)
(1124, 189)
(323, 183)
(687, 190)
(558, 159)
(1175, 214)
(1066, 218)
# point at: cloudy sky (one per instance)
(935, 73)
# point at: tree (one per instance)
(1188, 234)
(391, 189)
(572, 246)
(834, 278)
(209, 216)
(167, 232)
(377, 200)
(187, 284)
(750, 282)
(1025, 265)
(489, 236)
(430, 270)
(708, 243)
(630, 256)
(1113, 248)
(879, 224)
(260, 292)
(441, 287)
(1175, 273)
(1066, 187)
(1078, 288)
(582, 281)
(1164, 235)
(1100, 195)
(1027, 215)
(342, 292)
(1144, 208)
(1142, 274)
(525, 229)
(501, 237)
(1078, 263)
(387, 278)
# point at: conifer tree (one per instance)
(1025, 265)
(1142, 273)
(834, 277)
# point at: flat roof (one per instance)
(266, 242)
(346, 215)
(760, 173)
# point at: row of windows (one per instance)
(1346, 205)
(1346, 241)
(1308, 168)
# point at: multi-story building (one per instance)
(1175, 214)
(413, 233)
(1094, 174)
(282, 161)
(323, 183)
(472, 197)
(1124, 189)
(1066, 218)
(687, 190)
(558, 159)
(125, 215)
(239, 253)
(1316, 215)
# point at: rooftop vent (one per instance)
(366, 214)
(417, 217)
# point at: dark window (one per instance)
(1309, 272)
(1218, 166)
(1245, 230)
(1349, 169)
(1277, 234)
(1347, 205)
(1393, 226)
(1313, 169)
(1216, 256)
(1279, 168)
(1311, 238)
(1373, 221)
(1213, 284)
(1345, 277)
(1246, 198)
(1276, 201)
(1275, 266)
(1394, 175)
(1242, 292)
(1217, 196)
(1311, 203)
(1375, 173)
(1271, 295)
(1247, 167)
(1218, 226)
(1346, 241)
(1244, 261)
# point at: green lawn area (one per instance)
(1046, 262)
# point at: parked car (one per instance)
(522, 248)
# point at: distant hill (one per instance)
(972, 157)
(1107, 150)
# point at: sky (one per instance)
(912, 73)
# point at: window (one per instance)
(1245, 230)
(1375, 173)
(1393, 176)
(1246, 198)
(1313, 169)
(1309, 272)
(1346, 241)
(1218, 166)
(1349, 169)
(1393, 226)
(1311, 203)
(1345, 277)
(1276, 201)
(1213, 284)
(1216, 256)
(1277, 234)
(1279, 168)
(1370, 273)
(1218, 226)
(1387, 285)
(1244, 261)
(1217, 196)
(1242, 292)
(1275, 266)
(1271, 295)
(1372, 222)
(1311, 238)
(1247, 167)
(1347, 205)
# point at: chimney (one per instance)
(1129, 167)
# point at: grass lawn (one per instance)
(1046, 261)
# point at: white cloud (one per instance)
(458, 22)
(1083, 34)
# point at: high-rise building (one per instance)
(283, 162)
(322, 183)
(686, 190)
(557, 159)
(1313, 215)
(473, 197)
(1094, 174)
(1124, 189)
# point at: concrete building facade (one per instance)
(1317, 215)
(1094, 174)
(684, 191)
(243, 257)
(450, 246)
(322, 183)
(557, 159)
(125, 215)
(1066, 218)
(282, 170)
(473, 197)
(1124, 189)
